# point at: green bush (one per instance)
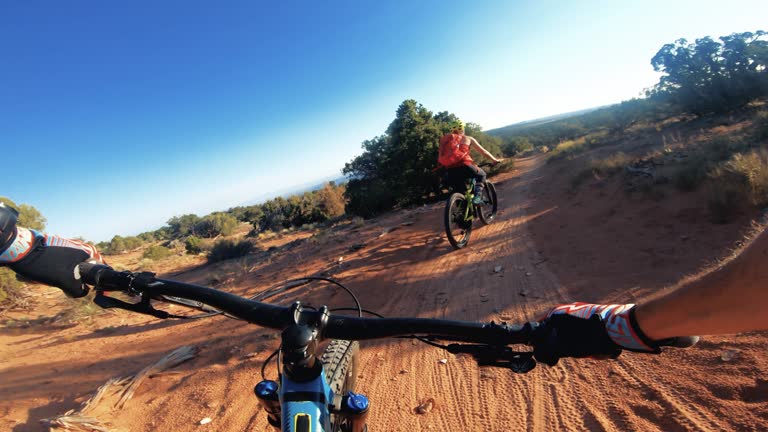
(193, 245)
(157, 252)
(227, 249)
(29, 216)
(9, 286)
(216, 224)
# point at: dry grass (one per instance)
(611, 164)
(600, 168)
(570, 148)
(11, 295)
(114, 394)
(742, 179)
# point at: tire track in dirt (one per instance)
(687, 413)
(462, 285)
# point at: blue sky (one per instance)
(116, 116)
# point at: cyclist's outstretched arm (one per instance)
(731, 299)
(48, 259)
(483, 151)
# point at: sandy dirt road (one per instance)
(407, 271)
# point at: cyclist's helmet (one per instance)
(8, 218)
(457, 125)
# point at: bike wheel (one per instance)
(340, 361)
(490, 204)
(457, 227)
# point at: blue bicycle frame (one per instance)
(304, 405)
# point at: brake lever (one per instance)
(497, 356)
(137, 286)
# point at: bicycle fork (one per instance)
(352, 407)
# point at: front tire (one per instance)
(457, 227)
(340, 361)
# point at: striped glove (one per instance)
(48, 259)
(590, 330)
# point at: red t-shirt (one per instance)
(454, 151)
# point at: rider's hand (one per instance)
(51, 260)
(591, 330)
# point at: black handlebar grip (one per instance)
(103, 277)
(88, 271)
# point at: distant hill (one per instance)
(297, 190)
(516, 127)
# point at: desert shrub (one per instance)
(610, 165)
(689, 174)
(216, 224)
(227, 249)
(517, 146)
(761, 126)
(157, 252)
(505, 166)
(721, 148)
(743, 180)
(544, 149)
(693, 171)
(29, 216)
(357, 222)
(572, 147)
(193, 245)
(601, 167)
(568, 148)
(330, 202)
(9, 287)
(120, 244)
(751, 170)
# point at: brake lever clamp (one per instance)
(140, 282)
(497, 356)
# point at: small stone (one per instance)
(728, 355)
(404, 371)
(205, 421)
(425, 405)
(443, 361)
(498, 269)
(528, 273)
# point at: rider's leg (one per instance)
(479, 175)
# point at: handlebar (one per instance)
(488, 342)
(104, 278)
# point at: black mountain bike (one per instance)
(317, 394)
(461, 211)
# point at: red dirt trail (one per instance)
(552, 246)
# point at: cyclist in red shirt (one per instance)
(453, 155)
